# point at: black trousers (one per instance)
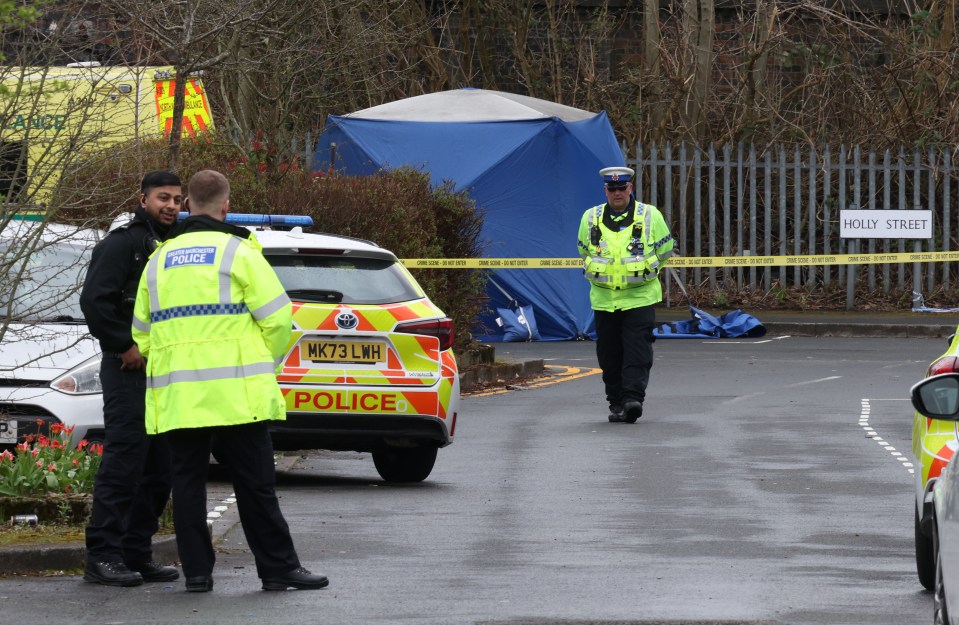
(624, 348)
(247, 451)
(132, 485)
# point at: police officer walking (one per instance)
(624, 245)
(214, 322)
(133, 482)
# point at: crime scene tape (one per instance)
(689, 261)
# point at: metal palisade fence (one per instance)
(747, 200)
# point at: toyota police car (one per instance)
(937, 397)
(933, 445)
(369, 367)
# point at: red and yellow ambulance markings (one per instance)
(556, 374)
(196, 109)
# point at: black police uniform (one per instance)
(133, 483)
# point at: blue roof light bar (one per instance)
(253, 219)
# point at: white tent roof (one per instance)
(471, 105)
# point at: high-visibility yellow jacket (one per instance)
(622, 265)
(213, 322)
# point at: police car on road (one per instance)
(369, 367)
(934, 444)
(937, 398)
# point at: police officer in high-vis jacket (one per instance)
(213, 322)
(624, 245)
(133, 482)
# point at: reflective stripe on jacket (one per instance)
(213, 322)
(622, 278)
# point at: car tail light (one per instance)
(946, 364)
(440, 328)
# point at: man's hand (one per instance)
(132, 359)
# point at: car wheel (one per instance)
(940, 614)
(925, 557)
(404, 465)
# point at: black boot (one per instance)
(615, 413)
(632, 410)
(111, 574)
(153, 572)
(298, 578)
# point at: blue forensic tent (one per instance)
(531, 165)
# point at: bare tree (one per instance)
(304, 60)
(698, 24)
(195, 35)
(52, 119)
(785, 70)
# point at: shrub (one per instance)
(50, 465)
(399, 210)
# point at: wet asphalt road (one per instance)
(748, 492)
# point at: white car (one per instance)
(937, 397)
(49, 364)
(369, 368)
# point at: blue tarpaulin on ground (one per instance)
(919, 305)
(735, 324)
(532, 166)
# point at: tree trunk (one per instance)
(946, 38)
(652, 40)
(698, 18)
(757, 98)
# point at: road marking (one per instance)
(864, 413)
(563, 374)
(218, 511)
(743, 398)
(832, 377)
(567, 359)
(727, 342)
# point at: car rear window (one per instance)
(359, 280)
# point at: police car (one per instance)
(370, 364)
(937, 398)
(934, 444)
(369, 368)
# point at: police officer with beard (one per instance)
(214, 322)
(133, 483)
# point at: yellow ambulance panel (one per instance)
(51, 115)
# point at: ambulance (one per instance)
(49, 116)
